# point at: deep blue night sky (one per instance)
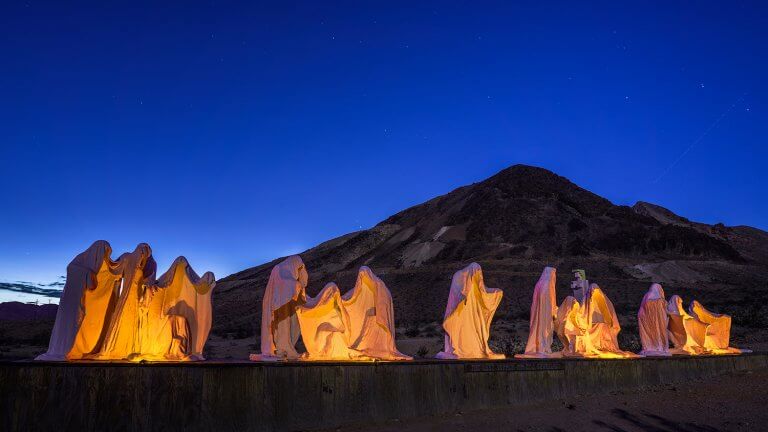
(236, 133)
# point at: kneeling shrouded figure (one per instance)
(177, 315)
(468, 315)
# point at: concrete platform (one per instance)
(240, 396)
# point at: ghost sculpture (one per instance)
(543, 315)
(570, 328)
(685, 332)
(602, 326)
(175, 315)
(371, 332)
(86, 303)
(285, 292)
(653, 321)
(122, 338)
(468, 316)
(715, 331)
(325, 326)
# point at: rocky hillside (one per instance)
(514, 224)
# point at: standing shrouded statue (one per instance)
(653, 321)
(88, 297)
(543, 316)
(285, 292)
(122, 338)
(468, 315)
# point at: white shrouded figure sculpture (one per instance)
(176, 315)
(543, 315)
(468, 315)
(371, 315)
(684, 331)
(324, 326)
(86, 300)
(653, 321)
(715, 332)
(602, 326)
(122, 338)
(570, 328)
(279, 324)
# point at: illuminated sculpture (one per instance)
(468, 316)
(684, 331)
(602, 326)
(175, 315)
(543, 315)
(325, 326)
(85, 303)
(653, 321)
(371, 331)
(279, 324)
(122, 338)
(570, 328)
(715, 334)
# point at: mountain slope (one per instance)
(513, 224)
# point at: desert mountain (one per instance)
(513, 224)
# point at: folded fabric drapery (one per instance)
(468, 315)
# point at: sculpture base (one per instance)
(307, 395)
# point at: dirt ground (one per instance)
(735, 402)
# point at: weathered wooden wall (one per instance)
(297, 396)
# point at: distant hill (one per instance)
(17, 311)
(513, 224)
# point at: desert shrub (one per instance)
(629, 341)
(508, 344)
(412, 331)
(422, 352)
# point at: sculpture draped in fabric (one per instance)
(715, 333)
(652, 322)
(570, 328)
(371, 331)
(468, 315)
(602, 326)
(176, 315)
(279, 324)
(122, 338)
(543, 315)
(86, 302)
(325, 326)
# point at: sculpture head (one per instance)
(655, 292)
